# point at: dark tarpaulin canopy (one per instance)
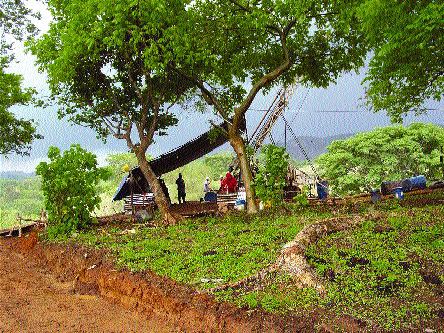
(176, 158)
(138, 183)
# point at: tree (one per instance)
(107, 67)
(406, 68)
(252, 46)
(115, 64)
(69, 185)
(365, 160)
(16, 135)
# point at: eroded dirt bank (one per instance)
(32, 300)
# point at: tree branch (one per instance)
(209, 97)
(267, 78)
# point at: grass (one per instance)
(380, 272)
(389, 271)
(226, 249)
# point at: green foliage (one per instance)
(270, 180)
(218, 163)
(406, 66)
(16, 135)
(264, 31)
(376, 272)
(391, 153)
(15, 22)
(69, 185)
(107, 64)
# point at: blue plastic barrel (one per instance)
(414, 183)
(399, 194)
(210, 197)
(322, 190)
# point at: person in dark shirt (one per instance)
(181, 194)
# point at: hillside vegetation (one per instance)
(388, 272)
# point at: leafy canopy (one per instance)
(69, 185)
(16, 135)
(266, 43)
(106, 63)
(406, 68)
(391, 153)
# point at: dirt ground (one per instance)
(34, 301)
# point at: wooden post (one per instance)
(19, 220)
(132, 193)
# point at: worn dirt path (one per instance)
(34, 301)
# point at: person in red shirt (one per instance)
(230, 183)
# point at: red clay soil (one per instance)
(32, 300)
(66, 289)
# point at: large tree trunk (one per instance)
(238, 145)
(159, 197)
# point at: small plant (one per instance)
(69, 185)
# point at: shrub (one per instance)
(270, 180)
(69, 185)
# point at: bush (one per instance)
(270, 180)
(69, 185)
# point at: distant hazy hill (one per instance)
(314, 146)
(15, 175)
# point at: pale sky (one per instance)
(309, 111)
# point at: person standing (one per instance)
(181, 194)
(207, 185)
(230, 182)
(222, 184)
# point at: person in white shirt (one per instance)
(207, 185)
